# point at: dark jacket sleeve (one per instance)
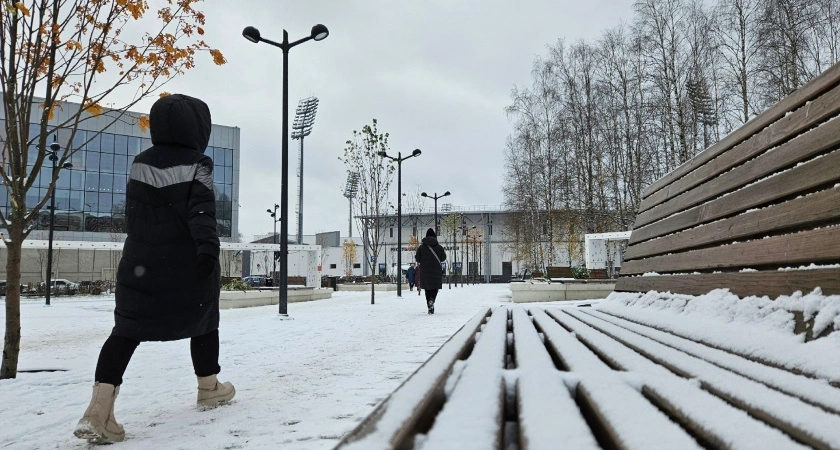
(440, 252)
(201, 210)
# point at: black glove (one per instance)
(205, 266)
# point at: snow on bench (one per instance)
(547, 378)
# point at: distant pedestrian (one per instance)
(168, 277)
(430, 255)
(409, 275)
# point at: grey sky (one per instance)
(436, 74)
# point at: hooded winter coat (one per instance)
(431, 272)
(171, 219)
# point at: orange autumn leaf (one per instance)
(218, 58)
(143, 123)
(92, 108)
(22, 8)
(164, 94)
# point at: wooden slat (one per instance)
(548, 415)
(788, 127)
(771, 283)
(815, 246)
(803, 211)
(813, 89)
(614, 403)
(821, 430)
(808, 145)
(803, 178)
(814, 391)
(480, 388)
(716, 422)
(410, 404)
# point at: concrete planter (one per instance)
(529, 292)
(358, 287)
(245, 299)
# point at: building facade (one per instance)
(90, 196)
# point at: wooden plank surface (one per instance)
(785, 129)
(803, 178)
(814, 246)
(818, 208)
(547, 413)
(394, 423)
(821, 430)
(813, 89)
(804, 147)
(771, 283)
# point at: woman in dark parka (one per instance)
(429, 255)
(168, 277)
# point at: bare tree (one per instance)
(362, 155)
(349, 255)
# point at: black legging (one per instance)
(117, 352)
(431, 294)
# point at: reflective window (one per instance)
(120, 144)
(105, 199)
(134, 146)
(120, 164)
(228, 157)
(79, 140)
(106, 144)
(120, 183)
(92, 161)
(106, 182)
(93, 143)
(106, 162)
(91, 182)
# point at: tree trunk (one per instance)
(11, 348)
(372, 291)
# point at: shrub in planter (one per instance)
(580, 272)
(236, 285)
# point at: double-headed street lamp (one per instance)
(435, 197)
(53, 156)
(399, 159)
(274, 219)
(318, 32)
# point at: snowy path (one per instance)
(301, 383)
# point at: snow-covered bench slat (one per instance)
(627, 418)
(406, 411)
(472, 416)
(816, 392)
(548, 413)
(713, 420)
(804, 422)
(751, 211)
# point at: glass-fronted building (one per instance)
(90, 196)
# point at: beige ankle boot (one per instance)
(98, 425)
(211, 393)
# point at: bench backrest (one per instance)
(743, 212)
(558, 272)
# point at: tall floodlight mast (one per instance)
(351, 188)
(304, 119)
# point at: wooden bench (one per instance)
(558, 272)
(749, 214)
(547, 378)
(598, 274)
(750, 208)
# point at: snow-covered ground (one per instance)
(301, 383)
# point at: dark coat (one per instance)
(171, 219)
(431, 273)
(409, 274)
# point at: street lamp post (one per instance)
(53, 156)
(275, 220)
(318, 32)
(399, 159)
(435, 197)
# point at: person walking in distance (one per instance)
(409, 275)
(169, 274)
(430, 255)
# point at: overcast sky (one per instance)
(437, 74)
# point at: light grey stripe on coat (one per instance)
(159, 178)
(203, 175)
